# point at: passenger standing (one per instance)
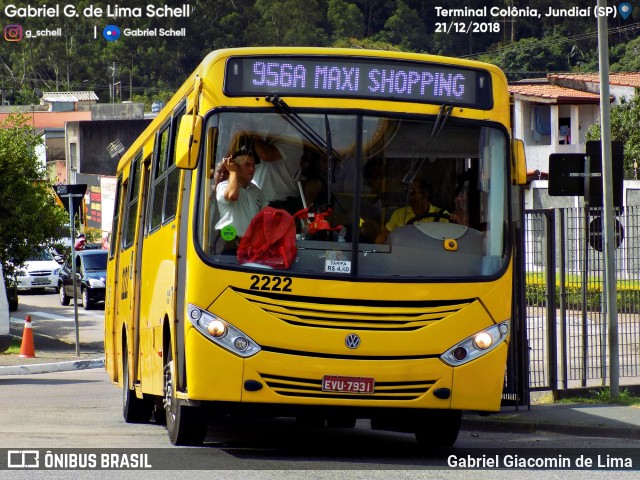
(239, 199)
(278, 173)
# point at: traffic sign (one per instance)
(74, 192)
(595, 234)
(568, 175)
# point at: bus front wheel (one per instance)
(186, 425)
(438, 428)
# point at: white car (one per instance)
(40, 271)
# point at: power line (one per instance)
(515, 47)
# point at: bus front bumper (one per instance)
(281, 378)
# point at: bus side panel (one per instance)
(111, 347)
(156, 302)
(212, 373)
(124, 305)
(112, 324)
(475, 384)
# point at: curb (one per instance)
(515, 426)
(52, 367)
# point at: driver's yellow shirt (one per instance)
(402, 215)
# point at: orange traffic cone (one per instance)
(26, 348)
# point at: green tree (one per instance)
(625, 119)
(629, 60)
(288, 22)
(346, 19)
(531, 57)
(29, 215)
(405, 29)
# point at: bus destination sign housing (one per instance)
(357, 77)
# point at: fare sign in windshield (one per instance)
(359, 78)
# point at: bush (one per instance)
(628, 297)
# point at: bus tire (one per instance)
(438, 428)
(134, 409)
(186, 425)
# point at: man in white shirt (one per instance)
(239, 199)
(278, 171)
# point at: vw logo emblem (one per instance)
(352, 341)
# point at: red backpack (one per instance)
(270, 239)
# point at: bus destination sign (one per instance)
(359, 78)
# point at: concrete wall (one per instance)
(114, 111)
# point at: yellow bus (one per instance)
(402, 179)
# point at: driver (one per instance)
(419, 204)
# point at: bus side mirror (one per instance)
(188, 144)
(519, 170)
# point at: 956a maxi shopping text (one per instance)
(467, 27)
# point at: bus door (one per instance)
(111, 324)
(126, 264)
(145, 170)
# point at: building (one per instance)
(551, 119)
(553, 114)
(77, 133)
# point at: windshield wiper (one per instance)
(443, 115)
(303, 127)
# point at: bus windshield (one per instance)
(373, 196)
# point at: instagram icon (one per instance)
(13, 33)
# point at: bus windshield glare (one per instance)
(373, 196)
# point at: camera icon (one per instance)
(13, 33)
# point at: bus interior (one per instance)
(355, 170)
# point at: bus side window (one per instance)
(166, 177)
(173, 173)
(161, 151)
(115, 237)
(131, 204)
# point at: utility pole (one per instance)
(607, 205)
(131, 80)
(71, 196)
(112, 84)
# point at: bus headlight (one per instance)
(222, 332)
(476, 345)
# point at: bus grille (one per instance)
(353, 314)
(312, 388)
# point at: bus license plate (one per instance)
(335, 383)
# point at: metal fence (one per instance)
(566, 325)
